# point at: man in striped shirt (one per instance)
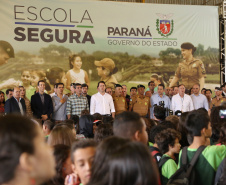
(76, 103)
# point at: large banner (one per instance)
(126, 43)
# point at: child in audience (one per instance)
(168, 143)
(155, 152)
(47, 127)
(82, 155)
(25, 158)
(121, 161)
(63, 164)
(198, 125)
(103, 131)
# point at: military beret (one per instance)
(188, 45)
(7, 48)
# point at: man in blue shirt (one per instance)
(159, 99)
(199, 100)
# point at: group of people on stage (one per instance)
(111, 137)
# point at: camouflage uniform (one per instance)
(216, 102)
(190, 72)
(120, 104)
(140, 104)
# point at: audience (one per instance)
(25, 157)
(124, 155)
(102, 132)
(61, 135)
(198, 125)
(82, 156)
(168, 143)
(63, 164)
(130, 125)
(123, 162)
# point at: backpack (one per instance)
(185, 175)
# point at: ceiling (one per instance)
(179, 2)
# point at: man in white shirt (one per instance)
(182, 101)
(102, 102)
(199, 100)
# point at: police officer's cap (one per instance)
(218, 89)
(117, 85)
(7, 48)
(188, 45)
(140, 86)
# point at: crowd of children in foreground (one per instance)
(128, 150)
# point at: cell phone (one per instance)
(222, 114)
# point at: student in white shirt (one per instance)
(102, 102)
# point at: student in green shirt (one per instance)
(168, 143)
(198, 125)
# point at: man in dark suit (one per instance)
(41, 103)
(15, 104)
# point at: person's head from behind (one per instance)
(86, 126)
(133, 91)
(47, 127)
(123, 162)
(102, 132)
(198, 124)
(173, 119)
(61, 135)
(82, 155)
(130, 125)
(168, 141)
(222, 138)
(159, 113)
(23, 153)
(9, 93)
(56, 75)
(108, 120)
(63, 163)
(154, 131)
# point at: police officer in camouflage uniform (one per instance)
(119, 100)
(190, 70)
(218, 99)
(140, 103)
(6, 52)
